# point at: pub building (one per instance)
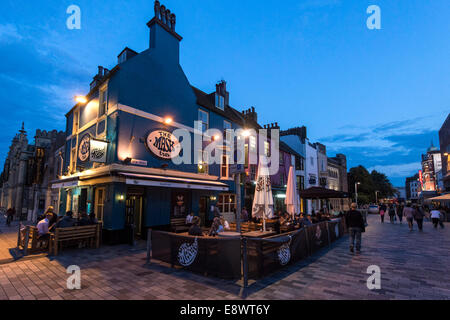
(119, 142)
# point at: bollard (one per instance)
(245, 263)
(149, 245)
(18, 236)
(27, 239)
(329, 235)
(308, 245)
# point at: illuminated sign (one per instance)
(98, 151)
(421, 179)
(163, 144)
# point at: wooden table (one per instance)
(259, 234)
(229, 234)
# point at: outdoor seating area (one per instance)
(247, 257)
(29, 241)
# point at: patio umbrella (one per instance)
(263, 200)
(292, 200)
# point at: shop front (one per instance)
(129, 200)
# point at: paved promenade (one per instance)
(413, 266)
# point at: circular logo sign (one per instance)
(83, 149)
(163, 144)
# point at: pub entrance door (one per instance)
(133, 215)
(202, 210)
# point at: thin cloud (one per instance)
(398, 170)
(9, 33)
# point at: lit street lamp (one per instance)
(356, 193)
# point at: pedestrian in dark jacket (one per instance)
(9, 216)
(382, 212)
(400, 212)
(355, 225)
(391, 213)
(418, 216)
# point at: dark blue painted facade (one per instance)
(154, 83)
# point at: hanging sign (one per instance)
(163, 144)
(98, 151)
(83, 149)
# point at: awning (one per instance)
(321, 193)
(444, 197)
(65, 184)
(172, 182)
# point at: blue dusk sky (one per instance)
(378, 96)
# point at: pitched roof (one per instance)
(285, 147)
(207, 101)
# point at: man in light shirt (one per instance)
(42, 227)
(436, 218)
(189, 218)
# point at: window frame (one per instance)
(98, 205)
(225, 166)
(201, 111)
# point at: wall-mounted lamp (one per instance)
(246, 133)
(168, 120)
(80, 99)
(213, 198)
(120, 197)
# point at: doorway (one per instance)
(202, 209)
(133, 214)
(82, 204)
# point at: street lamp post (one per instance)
(356, 193)
(376, 196)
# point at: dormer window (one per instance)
(220, 102)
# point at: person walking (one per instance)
(355, 224)
(9, 216)
(408, 212)
(400, 212)
(391, 213)
(436, 218)
(418, 216)
(382, 212)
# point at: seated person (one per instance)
(84, 219)
(67, 221)
(216, 227)
(244, 215)
(285, 219)
(189, 218)
(305, 220)
(53, 218)
(195, 229)
(224, 223)
(92, 218)
(42, 227)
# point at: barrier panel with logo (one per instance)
(220, 257)
(317, 236)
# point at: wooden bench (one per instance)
(90, 233)
(178, 225)
(246, 226)
(29, 242)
